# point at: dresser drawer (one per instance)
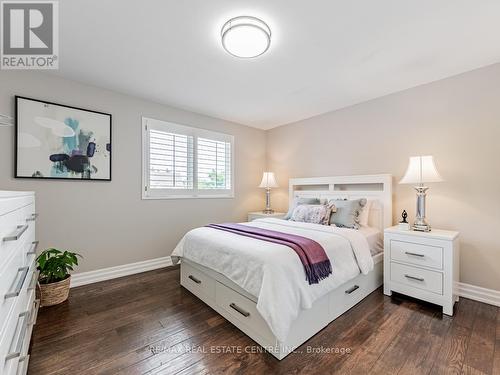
(197, 282)
(418, 254)
(14, 345)
(18, 279)
(32, 313)
(14, 202)
(242, 309)
(431, 281)
(13, 278)
(11, 226)
(17, 228)
(22, 367)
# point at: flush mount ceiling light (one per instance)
(246, 36)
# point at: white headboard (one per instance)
(376, 188)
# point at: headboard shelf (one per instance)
(321, 187)
(358, 187)
(375, 188)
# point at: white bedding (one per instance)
(374, 238)
(273, 272)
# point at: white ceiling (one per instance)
(324, 55)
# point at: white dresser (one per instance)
(424, 265)
(18, 279)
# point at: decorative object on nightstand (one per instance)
(424, 265)
(421, 169)
(268, 182)
(404, 225)
(260, 215)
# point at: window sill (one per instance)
(169, 197)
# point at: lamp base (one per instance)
(268, 209)
(420, 224)
(421, 227)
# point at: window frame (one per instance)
(195, 193)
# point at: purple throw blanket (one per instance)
(312, 255)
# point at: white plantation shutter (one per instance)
(184, 162)
(214, 164)
(170, 160)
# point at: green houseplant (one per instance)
(54, 278)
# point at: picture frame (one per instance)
(60, 142)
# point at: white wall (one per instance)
(107, 222)
(457, 120)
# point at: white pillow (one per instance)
(365, 214)
(312, 213)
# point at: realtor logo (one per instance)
(30, 34)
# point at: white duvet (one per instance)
(272, 272)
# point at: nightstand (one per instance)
(424, 265)
(260, 215)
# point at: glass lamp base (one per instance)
(422, 227)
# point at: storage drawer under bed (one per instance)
(197, 282)
(241, 308)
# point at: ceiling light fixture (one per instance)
(246, 36)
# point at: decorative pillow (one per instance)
(312, 213)
(347, 213)
(299, 201)
(365, 214)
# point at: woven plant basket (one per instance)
(54, 293)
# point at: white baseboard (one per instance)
(90, 277)
(489, 296)
(476, 293)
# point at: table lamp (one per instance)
(268, 182)
(421, 169)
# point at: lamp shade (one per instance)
(268, 180)
(421, 169)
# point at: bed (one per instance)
(253, 284)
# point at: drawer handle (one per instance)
(33, 217)
(20, 283)
(234, 306)
(197, 281)
(34, 280)
(19, 232)
(34, 246)
(20, 340)
(25, 360)
(414, 254)
(34, 312)
(350, 290)
(414, 278)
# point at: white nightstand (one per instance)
(260, 215)
(422, 265)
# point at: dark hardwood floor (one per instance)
(148, 323)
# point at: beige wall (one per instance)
(457, 120)
(107, 222)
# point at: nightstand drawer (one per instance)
(261, 215)
(418, 254)
(430, 281)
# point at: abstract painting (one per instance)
(56, 141)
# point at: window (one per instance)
(185, 162)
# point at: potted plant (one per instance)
(54, 278)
